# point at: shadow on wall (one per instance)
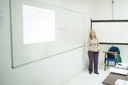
(85, 58)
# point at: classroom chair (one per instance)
(113, 55)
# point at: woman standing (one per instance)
(93, 52)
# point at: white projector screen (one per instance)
(111, 31)
(38, 25)
(64, 28)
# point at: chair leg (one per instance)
(105, 65)
(115, 63)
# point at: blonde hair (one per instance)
(90, 36)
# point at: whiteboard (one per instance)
(111, 31)
(69, 34)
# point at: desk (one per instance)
(111, 78)
(106, 52)
(109, 52)
(107, 63)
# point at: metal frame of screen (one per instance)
(102, 21)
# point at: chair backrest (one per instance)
(113, 49)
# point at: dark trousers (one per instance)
(93, 60)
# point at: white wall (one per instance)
(52, 71)
(102, 9)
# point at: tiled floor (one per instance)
(84, 78)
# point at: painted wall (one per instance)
(52, 71)
(102, 9)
